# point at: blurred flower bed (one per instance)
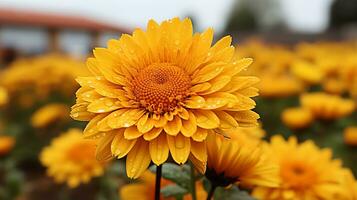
(307, 95)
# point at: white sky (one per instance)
(301, 15)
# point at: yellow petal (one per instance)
(183, 114)
(79, 112)
(92, 66)
(138, 159)
(194, 102)
(189, 126)
(124, 117)
(145, 123)
(159, 150)
(237, 66)
(200, 87)
(216, 100)
(152, 134)
(91, 129)
(240, 82)
(242, 103)
(132, 133)
(226, 120)
(173, 127)
(200, 135)
(206, 119)
(160, 122)
(179, 146)
(108, 62)
(217, 84)
(199, 165)
(103, 150)
(245, 118)
(208, 72)
(199, 150)
(121, 146)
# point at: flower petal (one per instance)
(132, 133)
(138, 159)
(194, 102)
(226, 120)
(173, 127)
(206, 119)
(159, 149)
(121, 146)
(179, 146)
(152, 134)
(199, 150)
(103, 150)
(145, 123)
(189, 126)
(200, 135)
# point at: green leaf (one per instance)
(174, 191)
(177, 174)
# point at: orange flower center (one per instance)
(298, 175)
(82, 152)
(160, 87)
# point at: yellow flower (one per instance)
(71, 159)
(145, 188)
(162, 92)
(42, 75)
(6, 144)
(350, 136)
(238, 161)
(49, 114)
(307, 72)
(4, 97)
(306, 172)
(327, 107)
(297, 118)
(334, 86)
(279, 86)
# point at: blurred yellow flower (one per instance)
(50, 114)
(161, 92)
(238, 161)
(6, 144)
(307, 72)
(4, 97)
(279, 86)
(350, 136)
(333, 86)
(145, 188)
(297, 118)
(327, 107)
(71, 159)
(42, 75)
(306, 172)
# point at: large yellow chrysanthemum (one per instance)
(145, 189)
(306, 172)
(71, 159)
(239, 160)
(163, 91)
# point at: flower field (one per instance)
(169, 113)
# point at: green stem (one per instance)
(193, 183)
(211, 192)
(158, 182)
